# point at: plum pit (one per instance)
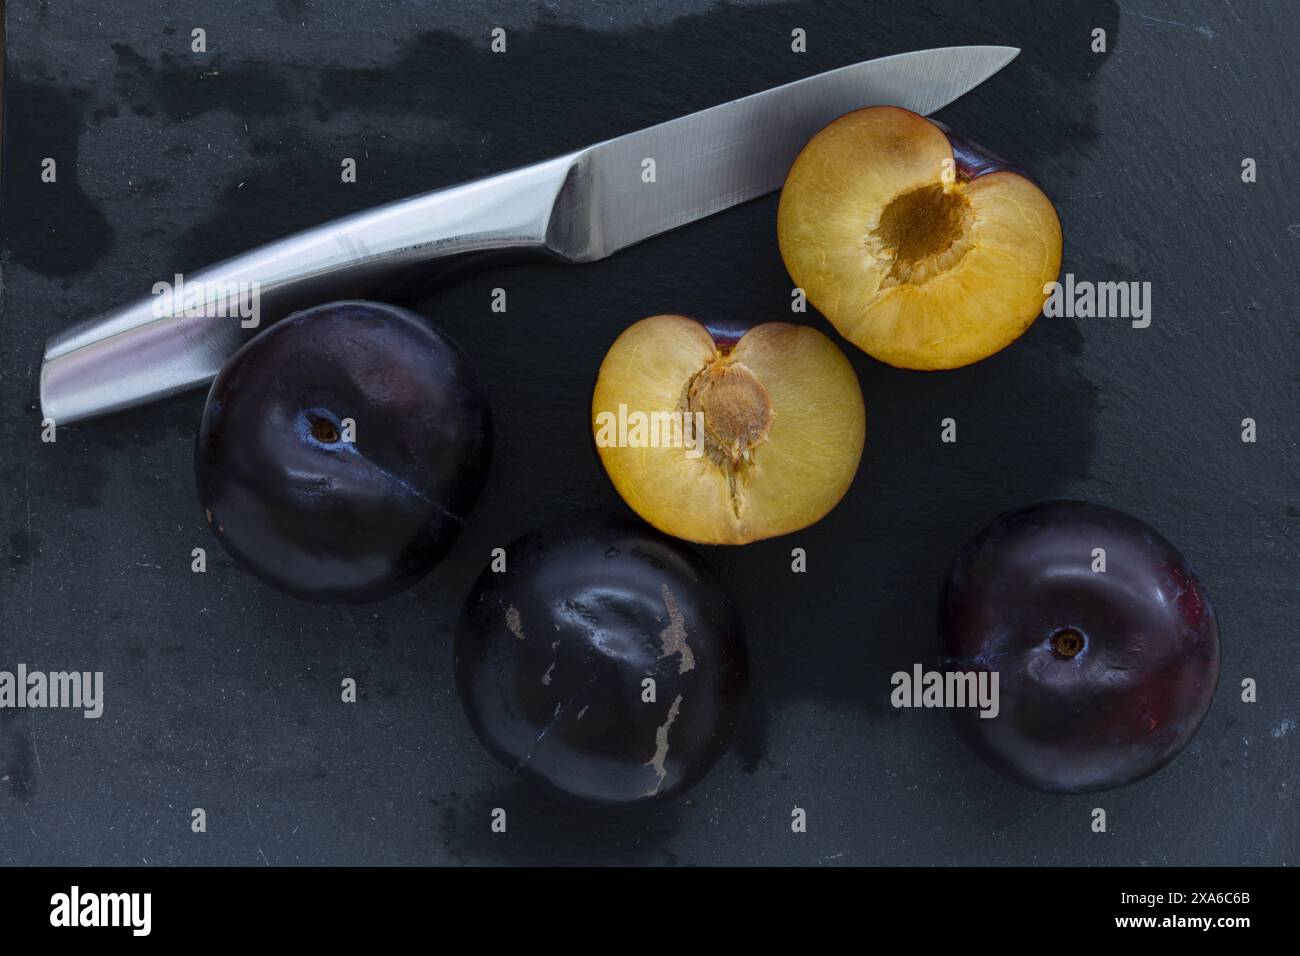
(736, 407)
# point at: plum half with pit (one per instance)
(341, 449)
(1105, 644)
(920, 248)
(604, 662)
(727, 436)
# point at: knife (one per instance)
(575, 208)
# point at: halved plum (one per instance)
(721, 438)
(922, 256)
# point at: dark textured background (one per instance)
(223, 694)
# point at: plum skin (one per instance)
(973, 160)
(1104, 676)
(550, 656)
(325, 519)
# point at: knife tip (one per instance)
(1000, 53)
(996, 58)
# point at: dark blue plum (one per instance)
(1104, 675)
(341, 450)
(554, 653)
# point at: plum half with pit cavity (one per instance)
(921, 249)
(726, 437)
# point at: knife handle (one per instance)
(155, 347)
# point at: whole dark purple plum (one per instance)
(605, 663)
(1104, 676)
(341, 449)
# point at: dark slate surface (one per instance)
(225, 695)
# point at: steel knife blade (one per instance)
(578, 207)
